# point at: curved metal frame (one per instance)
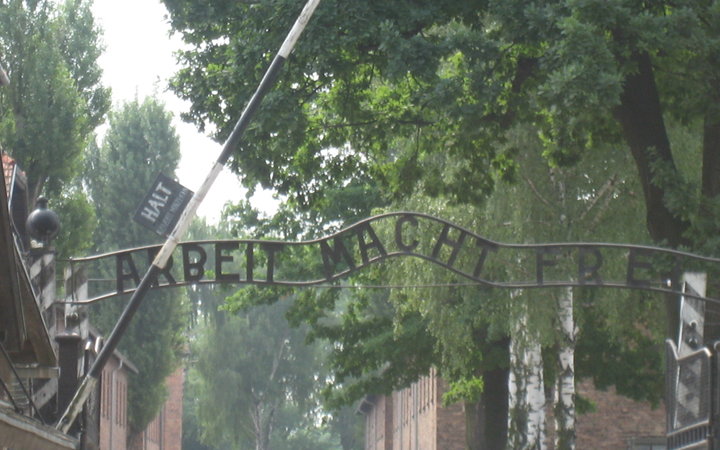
(412, 217)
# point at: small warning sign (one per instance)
(162, 206)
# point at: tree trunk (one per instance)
(495, 402)
(710, 191)
(640, 117)
(474, 428)
(526, 427)
(565, 386)
(487, 422)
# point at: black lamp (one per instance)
(43, 224)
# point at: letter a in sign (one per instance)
(162, 206)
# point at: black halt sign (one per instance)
(162, 206)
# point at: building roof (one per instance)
(97, 337)
(26, 336)
(18, 431)
(13, 174)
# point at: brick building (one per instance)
(414, 419)
(165, 431)
(618, 422)
(111, 415)
(105, 414)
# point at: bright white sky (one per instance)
(138, 61)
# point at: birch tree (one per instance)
(527, 422)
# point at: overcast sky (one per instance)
(138, 61)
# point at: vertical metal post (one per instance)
(173, 239)
(692, 313)
(689, 373)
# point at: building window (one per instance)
(104, 398)
(121, 401)
(102, 394)
(118, 400)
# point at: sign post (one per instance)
(188, 213)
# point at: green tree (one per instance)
(77, 221)
(256, 390)
(55, 99)
(595, 200)
(454, 78)
(140, 142)
(297, 425)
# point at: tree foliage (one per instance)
(425, 97)
(277, 373)
(453, 77)
(53, 104)
(140, 143)
(256, 389)
(55, 99)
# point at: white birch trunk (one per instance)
(526, 421)
(565, 384)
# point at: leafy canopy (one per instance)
(55, 99)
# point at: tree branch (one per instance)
(608, 186)
(418, 122)
(537, 193)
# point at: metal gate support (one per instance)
(692, 372)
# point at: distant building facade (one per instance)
(111, 415)
(165, 431)
(414, 419)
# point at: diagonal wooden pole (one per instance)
(90, 380)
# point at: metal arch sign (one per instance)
(387, 236)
